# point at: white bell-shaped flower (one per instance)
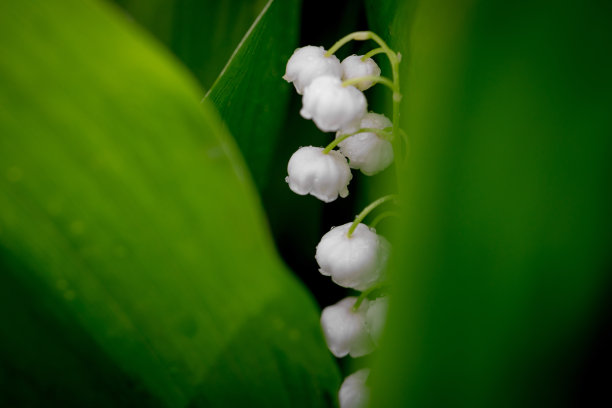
(308, 63)
(367, 151)
(354, 67)
(345, 330)
(355, 262)
(376, 316)
(324, 176)
(330, 105)
(354, 393)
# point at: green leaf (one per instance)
(135, 264)
(201, 33)
(240, 47)
(250, 94)
(503, 253)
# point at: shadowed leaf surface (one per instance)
(251, 95)
(504, 251)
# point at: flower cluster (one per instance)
(332, 96)
(353, 255)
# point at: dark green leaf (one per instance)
(201, 33)
(250, 93)
(135, 264)
(504, 249)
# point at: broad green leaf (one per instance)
(502, 257)
(250, 94)
(135, 264)
(201, 33)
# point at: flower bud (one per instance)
(356, 262)
(308, 63)
(324, 176)
(354, 393)
(367, 151)
(354, 67)
(330, 105)
(344, 329)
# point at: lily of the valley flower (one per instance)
(345, 329)
(354, 67)
(308, 63)
(330, 105)
(367, 151)
(322, 175)
(355, 262)
(354, 393)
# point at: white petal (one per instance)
(354, 67)
(324, 176)
(356, 262)
(308, 63)
(376, 316)
(367, 151)
(354, 392)
(344, 329)
(330, 105)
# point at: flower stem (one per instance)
(382, 216)
(368, 210)
(370, 78)
(367, 293)
(380, 132)
(372, 53)
(357, 36)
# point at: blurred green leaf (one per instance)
(504, 251)
(201, 33)
(250, 94)
(136, 267)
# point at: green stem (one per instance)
(372, 53)
(368, 210)
(380, 132)
(382, 216)
(370, 78)
(366, 293)
(357, 36)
